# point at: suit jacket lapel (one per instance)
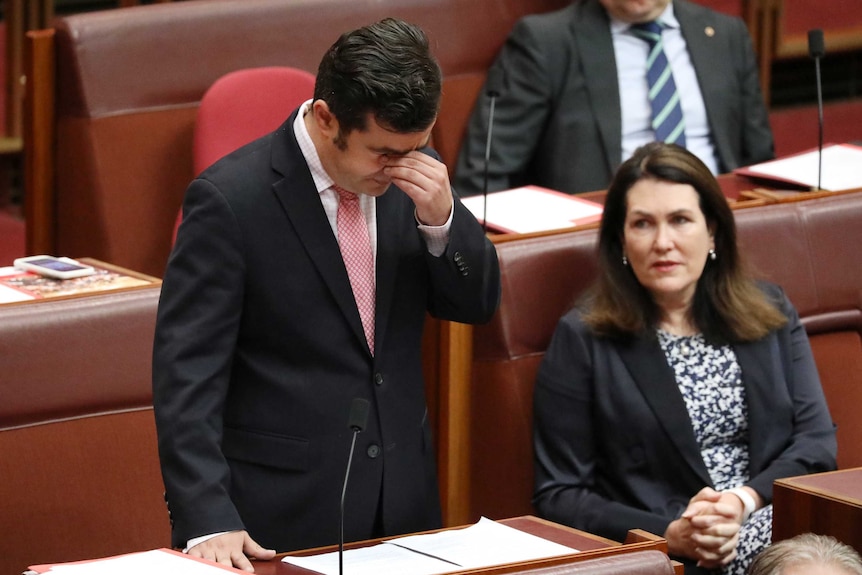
(658, 385)
(595, 46)
(759, 363)
(703, 50)
(301, 202)
(388, 239)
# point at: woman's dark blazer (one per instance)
(615, 449)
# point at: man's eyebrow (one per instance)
(394, 152)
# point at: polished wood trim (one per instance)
(39, 136)
(456, 357)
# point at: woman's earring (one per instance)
(625, 260)
(712, 255)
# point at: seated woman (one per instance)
(808, 554)
(680, 389)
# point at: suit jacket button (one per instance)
(378, 379)
(373, 451)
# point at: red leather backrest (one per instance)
(635, 563)
(78, 456)
(131, 81)
(244, 105)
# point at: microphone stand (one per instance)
(493, 96)
(356, 421)
(356, 431)
(816, 49)
(493, 88)
(820, 122)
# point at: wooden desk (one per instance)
(824, 503)
(590, 546)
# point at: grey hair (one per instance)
(806, 549)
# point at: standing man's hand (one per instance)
(232, 549)
(426, 181)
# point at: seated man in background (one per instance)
(576, 97)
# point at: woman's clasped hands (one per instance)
(708, 529)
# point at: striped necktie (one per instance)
(667, 119)
(355, 245)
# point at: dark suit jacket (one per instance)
(558, 122)
(259, 352)
(615, 449)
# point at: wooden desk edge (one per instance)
(152, 282)
(802, 483)
(637, 540)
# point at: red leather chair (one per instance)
(242, 106)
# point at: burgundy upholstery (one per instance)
(129, 82)
(811, 248)
(635, 563)
(242, 106)
(796, 129)
(11, 239)
(78, 458)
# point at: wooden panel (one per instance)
(841, 21)
(824, 503)
(796, 129)
(39, 142)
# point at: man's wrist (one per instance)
(203, 538)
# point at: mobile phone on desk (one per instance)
(50, 266)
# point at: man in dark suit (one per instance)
(575, 105)
(262, 340)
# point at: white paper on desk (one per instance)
(8, 294)
(842, 168)
(484, 544)
(533, 209)
(374, 560)
(146, 563)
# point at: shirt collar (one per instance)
(322, 180)
(667, 19)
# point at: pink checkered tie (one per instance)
(356, 253)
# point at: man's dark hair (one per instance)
(386, 69)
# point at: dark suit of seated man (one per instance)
(575, 99)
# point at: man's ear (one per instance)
(324, 119)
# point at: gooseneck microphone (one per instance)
(493, 89)
(817, 49)
(356, 422)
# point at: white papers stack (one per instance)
(484, 544)
(841, 168)
(533, 209)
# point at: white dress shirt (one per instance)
(631, 58)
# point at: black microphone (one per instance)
(817, 49)
(493, 89)
(356, 422)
